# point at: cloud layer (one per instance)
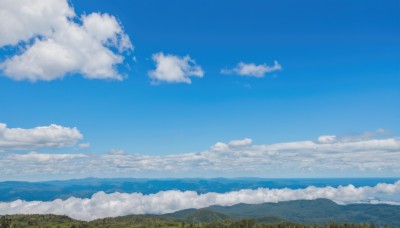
(252, 69)
(53, 136)
(102, 205)
(53, 42)
(327, 156)
(174, 69)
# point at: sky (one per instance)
(199, 88)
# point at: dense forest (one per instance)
(57, 221)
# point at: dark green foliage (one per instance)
(55, 221)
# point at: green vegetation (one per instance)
(55, 221)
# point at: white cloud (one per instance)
(36, 157)
(353, 138)
(241, 142)
(56, 43)
(220, 146)
(53, 136)
(373, 157)
(252, 69)
(327, 139)
(174, 69)
(21, 20)
(102, 205)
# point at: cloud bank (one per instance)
(102, 205)
(327, 156)
(52, 136)
(252, 69)
(53, 42)
(174, 69)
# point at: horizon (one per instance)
(205, 178)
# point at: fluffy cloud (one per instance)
(102, 205)
(174, 69)
(253, 70)
(55, 42)
(22, 20)
(377, 157)
(53, 136)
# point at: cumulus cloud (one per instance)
(174, 69)
(52, 136)
(102, 205)
(252, 69)
(55, 42)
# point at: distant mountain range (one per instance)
(85, 188)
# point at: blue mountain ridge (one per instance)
(85, 188)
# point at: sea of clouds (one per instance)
(102, 205)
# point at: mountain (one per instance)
(300, 211)
(85, 188)
(199, 216)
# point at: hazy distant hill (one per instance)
(85, 188)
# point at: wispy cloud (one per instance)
(102, 205)
(56, 42)
(174, 69)
(252, 69)
(52, 136)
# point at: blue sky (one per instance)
(340, 76)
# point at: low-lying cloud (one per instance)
(102, 205)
